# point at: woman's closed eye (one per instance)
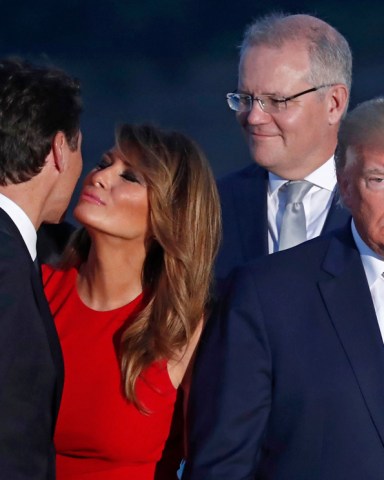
(130, 176)
(126, 172)
(104, 163)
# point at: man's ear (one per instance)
(338, 99)
(58, 146)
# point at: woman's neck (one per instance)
(110, 279)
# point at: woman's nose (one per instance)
(99, 178)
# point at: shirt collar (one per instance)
(323, 177)
(372, 262)
(22, 222)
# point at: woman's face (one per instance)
(114, 200)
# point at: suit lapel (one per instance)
(53, 340)
(348, 300)
(337, 215)
(251, 205)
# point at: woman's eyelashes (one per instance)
(127, 174)
(103, 164)
(130, 176)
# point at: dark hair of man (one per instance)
(35, 104)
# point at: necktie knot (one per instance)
(296, 190)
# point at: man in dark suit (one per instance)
(289, 377)
(40, 162)
(293, 88)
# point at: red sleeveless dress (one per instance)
(99, 434)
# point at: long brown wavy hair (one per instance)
(183, 239)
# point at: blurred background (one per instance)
(171, 62)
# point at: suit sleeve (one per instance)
(231, 387)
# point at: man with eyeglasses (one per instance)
(267, 387)
(293, 89)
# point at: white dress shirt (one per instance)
(374, 267)
(316, 202)
(22, 222)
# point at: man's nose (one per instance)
(256, 115)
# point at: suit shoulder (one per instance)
(302, 258)
(250, 171)
(13, 252)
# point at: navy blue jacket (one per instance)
(289, 377)
(243, 196)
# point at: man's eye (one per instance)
(278, 103)
(275, 100)
(376, 183)
(243, 99)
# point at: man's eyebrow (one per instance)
(378, 171)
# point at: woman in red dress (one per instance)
(128, 300)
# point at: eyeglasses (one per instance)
(243, 102)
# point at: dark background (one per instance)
(171, 62)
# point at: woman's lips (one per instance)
(91, 198)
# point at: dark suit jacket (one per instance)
(31, 366)
(289, 377)
(243, 196)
